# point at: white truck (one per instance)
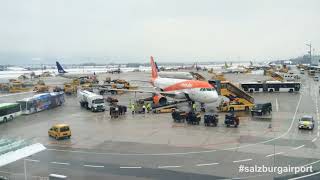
(91, 101)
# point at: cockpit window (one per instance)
(206, 89)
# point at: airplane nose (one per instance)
(215, 96)
(211, 97)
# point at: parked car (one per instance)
(261, 109)
(306, 122)
(59, 131)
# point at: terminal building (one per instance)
(315, 60)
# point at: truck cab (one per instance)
(97, 104)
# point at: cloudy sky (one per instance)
(168, 29)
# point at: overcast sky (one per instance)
(167, 29)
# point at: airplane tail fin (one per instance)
(60, 68)
(153, 68)
(157, 66)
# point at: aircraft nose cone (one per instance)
(211, 97)
(215, 96)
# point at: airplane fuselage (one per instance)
(199, 91)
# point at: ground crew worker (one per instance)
(133, 108)
(149, 107)
(194, 107)
(237, 120)
(144, 109)
(203, 108)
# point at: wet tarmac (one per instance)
(152, 146)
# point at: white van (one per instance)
(316, 78)
(301, 71)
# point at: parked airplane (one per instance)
(115, 71)
(261, 65)
(75, 73)
(193, 90)
(60, 68)
(233, 69)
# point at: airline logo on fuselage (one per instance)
(188, 85)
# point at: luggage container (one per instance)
(211, 119)
(193, 118)
(179, 116)
(231, 120)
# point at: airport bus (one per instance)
(271, 86)
(8, 111)
(41, 102)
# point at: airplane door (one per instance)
(192, 94)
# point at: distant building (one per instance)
(287, 62)
(315, 60)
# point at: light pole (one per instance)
(25, 166)
(310, 52)
(25, 169)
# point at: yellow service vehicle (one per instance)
(164, 110)
(71, 88)
(235, 106)
(86, 86)
(122, 84)
(217, 76)
(41, 87)
(238, 99)
(16, 87)
(4, 87)
(59, 131)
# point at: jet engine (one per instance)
(159, 100)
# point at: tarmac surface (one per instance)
(152, 146)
